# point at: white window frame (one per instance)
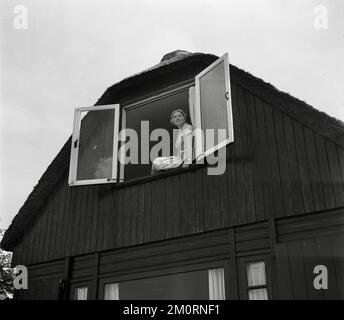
(72, 181)
(199, 142)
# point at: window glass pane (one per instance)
(158, 114)
(182, 286)
(258, 294)
(96, 145)
(80, 293)
(214, 103)
(111, 291)
(256, 274)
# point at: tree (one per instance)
(6, 273)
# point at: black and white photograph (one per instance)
(171, 152)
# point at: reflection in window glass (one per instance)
(80, 293)
(214, 113)
(96, 145)
(183, 286)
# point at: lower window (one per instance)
(195, 285)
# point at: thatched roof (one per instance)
(320, 122)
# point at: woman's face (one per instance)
(178, 119)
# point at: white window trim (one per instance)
(72, 181)
(199, 143)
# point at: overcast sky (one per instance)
(72, 50)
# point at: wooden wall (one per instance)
(301, 244)
(276, 168)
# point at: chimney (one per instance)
(174, 54)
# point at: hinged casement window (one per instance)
(213, 108)
(94, 145)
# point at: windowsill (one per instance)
(157, 176)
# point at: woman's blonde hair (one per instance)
(180, 111)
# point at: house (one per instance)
(269, 227)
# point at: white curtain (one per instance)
(216, 284)
(192, 105)
(111, 291)
(256, 274)
(81, 293)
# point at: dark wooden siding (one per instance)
(319, 236)
(295, 263)
(276, 167)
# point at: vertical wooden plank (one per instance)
(155, 212)
(303, 168)
(283, 163)
(161, 209)
(114, 216)
(168, 208)
(58, 208)
(148, 212)
(325, 253)
(233, 274)
(184, 215)
(127, 217)
(101, 202)
(76, 227)
(246, 156)
(256, 156)
(176, 206)
(49, 226)
(191, 201)
(215, 222)
(41, 245)
(297, 271)
(95, 218)
(265, 160)
(108, 210)
(293, 166)
(120, 218)
(223, 195)
(208, 211)
(237, 158)
(313, 165)
(311, 259)
(133, 214)
(141, 213)
(199, 200)
(284, 283)
(338, 256)
(275, 169)
(340, 153)
(326, 181)
(65, 220)
(232, 190)
(335, 175)
(88, 219)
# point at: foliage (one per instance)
(6, 273)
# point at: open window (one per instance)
(98, 149)
(94, 145)
(213, 108)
